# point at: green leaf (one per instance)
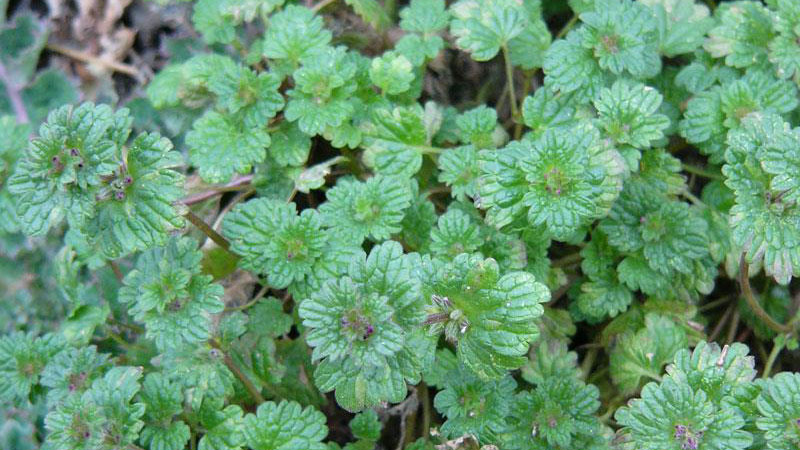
(424, 16)
(623, 37)
(779, 411)
(71, 372)
(254, 96)
(784, 50)
(760, 169)
(682, 25)
(23, 357)
(643, 354)
(555, 414)
(210, 19)
(742, 33)
(163, 400)
(294, 34)
(274, 240)
(455, 233)
(285, 426)
(395, 140)
(360, 328)
(490, 317)
(168, 292)
(473, 406)
(562, 181)
(674, 415)
(482, 27)
(459, 170)
(324, 85)
(392, 73)
(374, 208)
(223, 425)
(627, 113)
(220, 145)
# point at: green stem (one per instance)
(115, 268)
(692, 198)
(568, 26)
(702, 172)
(567, 260)
(744, 282)
(208, 231)
(588, 362)
(512, 94)
(773, 355)
(251, 388)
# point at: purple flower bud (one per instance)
(73, 151)
(680, 431)
(87, 434)
(690, 444)
(368, 331)
(119, 195)
(72, 387)
(55, 160)
(128, 180)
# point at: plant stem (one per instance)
(702, 172)
(588, 362)
(721, 323)
(252, 302)
(567, 260)
(733, 327)
(316, 8)
(91, 59)
(773, 355)
(219, 190)
(568, 26)
(425, 399)
(512, 94)
(744, 282)
(713, 304)
(115, 268)
(251, 388)
(692, 198)
(208, 231)
(14, 96)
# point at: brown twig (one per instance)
(91, 59)
(219, 190)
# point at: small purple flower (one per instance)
(74, 151)
(119, 195)
(680, 431)
(128, 180)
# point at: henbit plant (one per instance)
(575, 263)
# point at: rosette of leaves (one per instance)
(558, 413)
(490, 317)
(293, 34)
(285, 426)
(563, 180)
(784, 49)
(23, 358)
(474, 406)
(674, 415)
(628, 114)
(321, 98)
(669, 235)
(79, 167)
(72, 371)
(105, 417)
(779, 411)
(712, 113)
(423, 20)
(170, 294)
(763, 170)
(273, 239)
(163, 400)
(362, 327)
(622, 36)
(359, 209)
(717, 371)
(742, 34)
